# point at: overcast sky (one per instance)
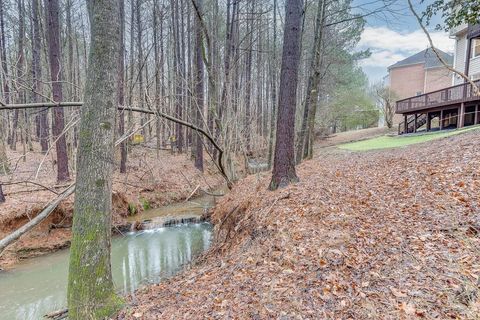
(394, 37)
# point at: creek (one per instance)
(38, 286)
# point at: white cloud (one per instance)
(382, 58)
(389, 46)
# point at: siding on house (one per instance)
(460, 56)
(475, 67)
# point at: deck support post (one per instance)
(461, 116)
(429, 122)
(415, 123)
(476, 115)
(441, 119)
(405, 124)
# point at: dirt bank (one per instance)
(389, 234)
(150, 182)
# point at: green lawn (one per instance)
(385, 142)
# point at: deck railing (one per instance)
(452, 95)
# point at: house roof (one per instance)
(426, 57)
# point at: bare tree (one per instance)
(284, 161)
(42, 118)
(54, 57)
(199, 85)
(385, 99)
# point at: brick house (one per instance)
(417, 74)
(452, 106)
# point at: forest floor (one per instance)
(389, 234)
(150, 182)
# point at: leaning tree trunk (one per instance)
(284, 160)
(53, 18)
(91, 293)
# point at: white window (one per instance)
(475, 76)
(476, 48)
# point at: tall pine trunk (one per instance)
(121, 88)
(91, 293)
(37, 75)
(309, 111)
(284, 161)
(273, 70)
(199, 87)
(53, 27)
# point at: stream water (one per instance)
(38, 286)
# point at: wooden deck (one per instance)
(453, 107)
(450, 96)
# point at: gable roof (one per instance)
(426, 57)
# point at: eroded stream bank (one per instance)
(37, 286)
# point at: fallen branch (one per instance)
(57, 315)
(35, 221)
(191, 195)
(43, 187)
(48, 105)
(48, 209)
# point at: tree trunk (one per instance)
(3, 160)
(141, 89)
(284, 160)
(157, 74)
(53, 21)
(273, 68)
(121, 88)
(199, 87)
(37, 75)
(91, 293)
(248, 80)
(313, 84)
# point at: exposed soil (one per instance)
(390, 234)
(150, 182)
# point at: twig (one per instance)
(30, 182)
(191, 195)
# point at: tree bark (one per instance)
(3, 160)
(273, 68)
(284, 161)
(91, 293)
(121, 88)
(312, 86)
(248, 80)
(37, 74)
(199, 86)
(53, 22)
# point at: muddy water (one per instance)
(39, 285)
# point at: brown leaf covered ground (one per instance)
(149, 182)
(390, 234)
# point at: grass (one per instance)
(386, 142)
